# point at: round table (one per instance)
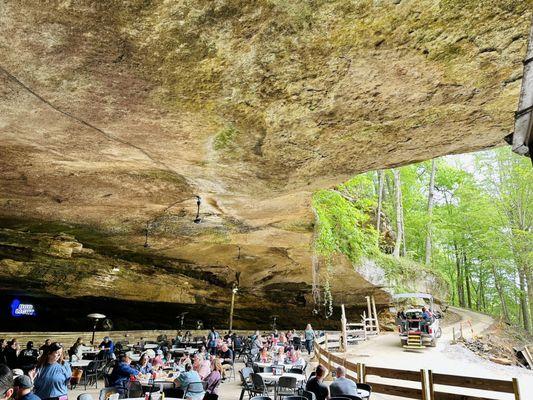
(269, 376)
(80, 363)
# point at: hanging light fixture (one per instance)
(197, 220)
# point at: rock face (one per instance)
(114, 115)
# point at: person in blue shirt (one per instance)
(185, 379)
(144, 365)
(24, 386)
(122, 372)
(53, 374)
(107, 348)
(426, 316)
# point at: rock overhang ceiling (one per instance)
(115, 115)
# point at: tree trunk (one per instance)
(431, 191)
(460, 287)
(505, 311)
(381, 179)
(467, 281)
(523, 301)
(399, 222)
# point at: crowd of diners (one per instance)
(45, 372)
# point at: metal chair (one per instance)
(246, 385)
(296, 370)
(351, 397)
(91, 374)
(339, 398)
(286, 386)
(365, 386)
(134, 389)
(106, 392)
(85, 396)
(308, 395)
(295, 398)
(260, 398)
(258, 385)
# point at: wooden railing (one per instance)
(424, 380)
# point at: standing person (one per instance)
(11, 353)
(341, 385)
(257, 343)
(24, 385)
(212, 340)
(6, 382)
(45, 346)
(28, 357)
(53, 374)
(3, 345)
(309, 338)
(316, 385)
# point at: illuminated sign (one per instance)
(22, 310)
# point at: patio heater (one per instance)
(95, 317)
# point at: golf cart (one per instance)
(416, 329)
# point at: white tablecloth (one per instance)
(80, 363)
(268, 376)
(151, 346)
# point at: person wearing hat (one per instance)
(6, 382)
(24, 386)
(107, 348)
(53, 374)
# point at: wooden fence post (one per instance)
(358, 372)
(516, 389)
(430, 385)
(424, 386)
(326, 341)
(363, 372)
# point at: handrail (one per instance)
(426, 378)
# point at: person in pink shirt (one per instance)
(157, 361)
(202, 366)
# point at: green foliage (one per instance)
(343, 220)
(224, 137)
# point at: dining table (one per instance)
(271, 377)
(80, 363)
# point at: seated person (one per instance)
(186, 378)
(296, 359)
(226, 358)
(316, 385)
(121, 374)
(201, 365)
(24, 385)
(263, 355)
(214, 378)
(107, 348)
(342, 385)
(184, 360)
(157, 361)
(279, 356)
(144, 366)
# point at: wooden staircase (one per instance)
(414, 341)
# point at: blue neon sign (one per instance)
(19, 309)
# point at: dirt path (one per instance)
(386, 351)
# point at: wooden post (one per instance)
(363, 372)
(430, 385)
(369, 313)
(375, 313)
(344, 334)
(424, 385)
(326, 342)
(359, 373)
(516, 389)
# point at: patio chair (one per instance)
(365, 386)
(286, 386)
(295, 398)
(260, 398)
(258, 385)
(246, 385)
(134, 389)
(91, 375)
(308, 395)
